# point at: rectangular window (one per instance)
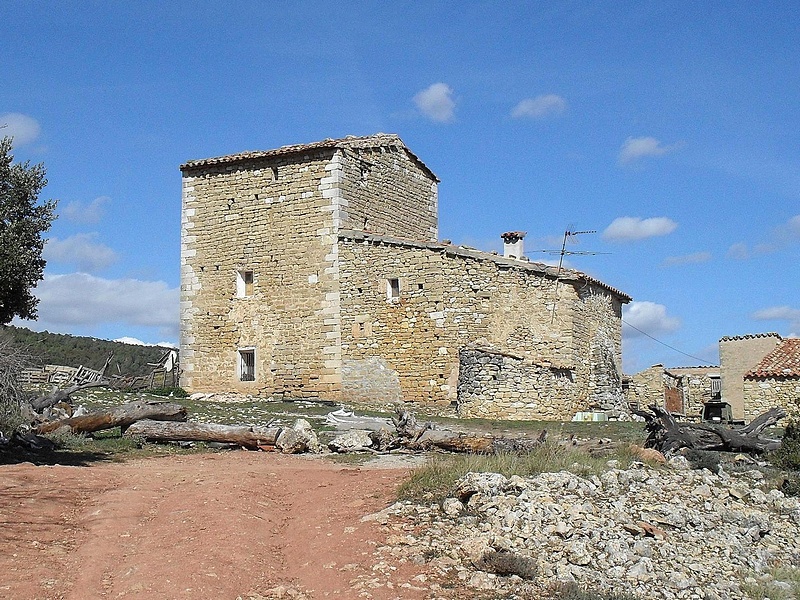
(247, 365)
(716, 387)
(244, 284)
(392, 289)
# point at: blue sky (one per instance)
(670, 128)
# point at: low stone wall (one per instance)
(495, 385)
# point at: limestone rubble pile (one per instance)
(652, 533)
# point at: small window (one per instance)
(716, 387)
(244, 284)
(392, 289)
(247, 365)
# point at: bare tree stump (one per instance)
(665, 434)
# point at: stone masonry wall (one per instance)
(761, 394)
(696, 387)
(447, 301)
(494, 385)
(737, 356)
(274, 217)
(387, 193)
(598, 350)
(646, 388)
(277, 216)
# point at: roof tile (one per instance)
(783, 361)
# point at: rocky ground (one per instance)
(670, 533)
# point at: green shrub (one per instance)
(572, 591)
(174, 392)
(64, 438)
(788, 455)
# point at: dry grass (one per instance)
(436, 479)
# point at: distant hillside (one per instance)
(72, 351)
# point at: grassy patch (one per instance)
(783, 584)
(572, 591)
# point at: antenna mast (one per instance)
(564, 252)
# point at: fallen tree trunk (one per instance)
(120, 416)
(413, 436)
(665, 434)
(166, 431)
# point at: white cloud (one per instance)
(787, 233)
(539, 107)
(793, 225)
(86, 212)
(647, 318)
(137, 342)
(687, 259)
(635, 148)
(22, 128)
(738, 251)
(780, 237)
(436, 102)
(635, 228)
(80, 250)
(82, 299)
(131, 341)
(781, 313)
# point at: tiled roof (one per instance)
(733, 338)
(379, 140)
(464, 251)
(783, 361)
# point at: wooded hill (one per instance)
(45, 348)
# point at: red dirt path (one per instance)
(228, 525)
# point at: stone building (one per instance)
(700, 385)
(737, 356)
(774, 381)
(681, 390)
(314, 271)
(757, 372)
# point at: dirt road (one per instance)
(229, 525)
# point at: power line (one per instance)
(667, 345)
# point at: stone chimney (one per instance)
(512, 244)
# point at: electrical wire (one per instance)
(667, 345)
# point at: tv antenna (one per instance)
(569, 235)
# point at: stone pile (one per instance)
(670, 533)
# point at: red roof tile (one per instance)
(783, 361)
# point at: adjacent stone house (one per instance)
(681, 390)
(700, 384)
(737, 356)
(774, 381)
(315, 271)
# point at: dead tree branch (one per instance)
(665, 434)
